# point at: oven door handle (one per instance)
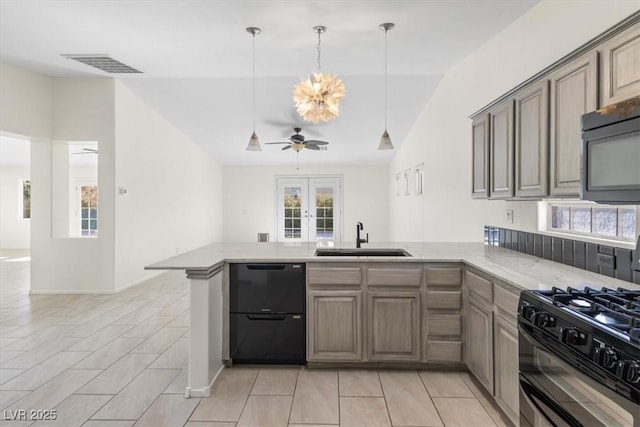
(532, 394)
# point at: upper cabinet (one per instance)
(532, 141)
(480, 142)
(620, 72)
(527, 143)
(574, 92)
(501, 150)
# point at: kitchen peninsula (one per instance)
(479, 268)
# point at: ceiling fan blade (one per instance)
(271, 143)
(311, 146)
(90, 150)
(316, 142)
(286, 148)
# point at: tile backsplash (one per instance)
(606, 260)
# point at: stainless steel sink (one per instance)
(361, 252)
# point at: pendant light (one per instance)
(385, 140)
(318, 97)
(254, 141)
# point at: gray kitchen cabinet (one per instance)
(620, 67)
(574, 92)
(480, 154)
(532, 141)
(479, 327)
(480, 343)
(505, 339)
(442, 318)
(334, 325)
(501, 146)
(393, 325)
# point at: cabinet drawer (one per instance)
(444, 325)
(506, 302)
(479, 286)
(394, 276)
(444, 299)
(444, 276)
(334, 276)
(444, 351)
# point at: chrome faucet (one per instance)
(359, 227)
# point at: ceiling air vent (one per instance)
(104, 63)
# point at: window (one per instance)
(398, 185)
(405, 182)
(308, 208)
(419, 179)
(26, 198)
(89, 207)
(601, 221)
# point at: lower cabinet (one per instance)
(393, 326)
(505, 338)
(480, 343)
(335, 325)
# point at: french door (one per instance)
(309, 209)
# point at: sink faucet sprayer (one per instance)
(359, 227)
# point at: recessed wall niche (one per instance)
(74, 189)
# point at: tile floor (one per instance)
(119, 361)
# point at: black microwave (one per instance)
(610, 157)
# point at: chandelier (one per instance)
(318, 97)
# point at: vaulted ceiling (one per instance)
(196, 59)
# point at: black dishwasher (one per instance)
(267, 313)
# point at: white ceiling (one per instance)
(196, 59)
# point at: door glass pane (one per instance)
(292, 212)
(324, 213)
(89, 206)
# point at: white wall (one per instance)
(14, 229)
(174, 190)
(249, 200)
(441, 137)
(83, 110)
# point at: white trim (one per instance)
(138, 282)
(96, 292)
(203, 392)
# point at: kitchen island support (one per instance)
(205, 342)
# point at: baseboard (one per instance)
(203, 392)
(138, 282)
(92, 291)
(70, 292)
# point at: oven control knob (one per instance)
(529, 312)
(608, 357)
(573, 337)
(544, 320)
(628, 370)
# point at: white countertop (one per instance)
(519, 270)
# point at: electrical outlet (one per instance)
(509, 216)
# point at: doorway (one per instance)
(309, 209)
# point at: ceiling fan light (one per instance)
(385, 142)
(254, 143)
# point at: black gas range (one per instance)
(589, 334)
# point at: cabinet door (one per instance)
(393, 325)
(480, 343)
(480, 164)
(334, 326)
(501, 151)
(574, 92)
(620, 75)
(506, 365)
(532, 141)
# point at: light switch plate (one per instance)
(509, 216)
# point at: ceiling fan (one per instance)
(297, 142)
(87, 151)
